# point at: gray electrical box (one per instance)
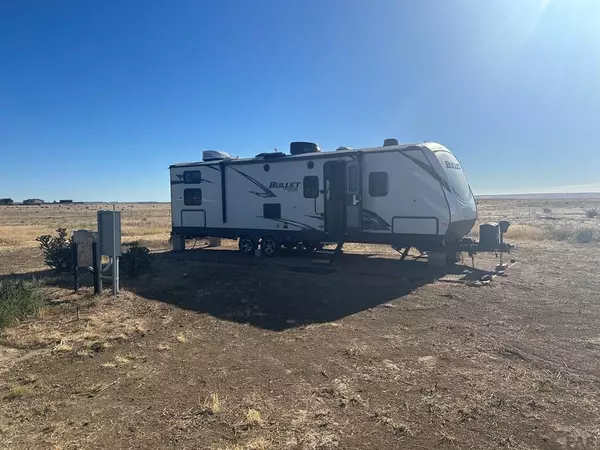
(109, 233)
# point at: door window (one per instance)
(378, 184)
(353, 179)
(311, 186)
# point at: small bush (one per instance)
(135, 261)
(592, 213)
(585, 235)
(546, 210)
(57, 250)
(18, 299)
(560, 233)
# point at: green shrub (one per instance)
(18, 299)
(592, 213)
(135, 261)
(57, 250)
(585, 235)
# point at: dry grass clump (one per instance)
(17, 391)
(212, 404)
(62, 347)
(122, 359)
(253, 417)
(526, 233)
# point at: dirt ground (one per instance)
(215, 351)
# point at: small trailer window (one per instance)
(353, 179)
(378, 184)
(272, 210)
(192, 196)
(192, 177)
(311, 186)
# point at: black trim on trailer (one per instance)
(266, 192)
(372, 221)
(423, 242)
(234, 233)
(429, 169)
(223, 192)
(437, 221)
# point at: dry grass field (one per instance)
(213, 351)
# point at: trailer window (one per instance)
(192, 196)
(192, 177)
(378, 184)
(272, 210)
(311, 186)
(353, 179)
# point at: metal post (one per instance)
(116, 251)
(97, 267)
(75, 264)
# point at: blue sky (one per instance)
(97, 98)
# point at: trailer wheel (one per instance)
(246, 245)
(269, 246)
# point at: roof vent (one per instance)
(299, 148)
(390, 142)
(214, 155)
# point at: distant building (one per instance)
(33, 201)
(6, 201)
(65, 201)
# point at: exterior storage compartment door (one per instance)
(193, 218)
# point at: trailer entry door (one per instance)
(335, 199)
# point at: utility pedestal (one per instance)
(109, 235)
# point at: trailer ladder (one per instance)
(328, 256)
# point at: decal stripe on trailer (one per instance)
(267, 193)
(430, 170)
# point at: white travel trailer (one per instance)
(402, 195)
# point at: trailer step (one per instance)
(328, 256)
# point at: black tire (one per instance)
(269, 246)
(247, 245)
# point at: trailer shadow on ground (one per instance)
(282, 293)
(275, 293)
